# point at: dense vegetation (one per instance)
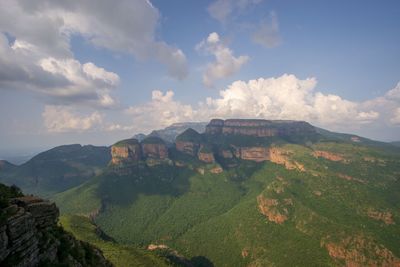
(119, 255)
(218, 217)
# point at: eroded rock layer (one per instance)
(29, 236)
(259, 128)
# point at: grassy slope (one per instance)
(119, 255)
(216, 216)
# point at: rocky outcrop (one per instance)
(206, 154)
(130, 151)
(30, 236)
(281, 156)
(273, 209)
(186, 147)
(154, 148)
(384, 216)
(359, 251)
(257, 154)
(259, 128)
(126, 151)
(329, 156)
(207, 157)
(189, 142)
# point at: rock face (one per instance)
(189, 148)
(358, 250)
(253, 143)
(273, 209)
(154, 148)
(29, 236)
(206, 157)
(257, 154)
(206, 154)
(126, 151)
(189, 142)
(259, 128)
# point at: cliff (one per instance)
(154, 148)
(259, 128)
(131, 151)
(223, 139)
(30, 236)
(189, 142)
(126, 151)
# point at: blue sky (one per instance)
(96, 72)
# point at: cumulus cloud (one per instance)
(267, 33)
(59, 119)
(163, 110)
(222, 10)
(284, 97)
(24, 66)
(396, 117)
(225, 64)
(35, 51)
(387, 105)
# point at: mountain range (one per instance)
(238, 193)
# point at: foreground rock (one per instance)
(30, 236)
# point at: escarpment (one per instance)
(223, 140)
(30, 236)
(259, 128)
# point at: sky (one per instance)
(97, 71)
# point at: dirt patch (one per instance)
(383, 216)
(274, 210)
(360, 251)
(329, 156)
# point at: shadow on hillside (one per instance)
(201, 261)
(163, 179)
(123, 190)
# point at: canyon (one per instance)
(207, 147)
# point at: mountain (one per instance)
(30, 236)
(250, 193)
(57, 169)
(396, 143)
(169, 133)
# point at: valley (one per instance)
(240, 199)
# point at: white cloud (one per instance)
(225, 64)
(396, 116)
(222, 10)
(161, 111)
(36, 55)
(267, 33)
(284, 97)
(58, 119)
